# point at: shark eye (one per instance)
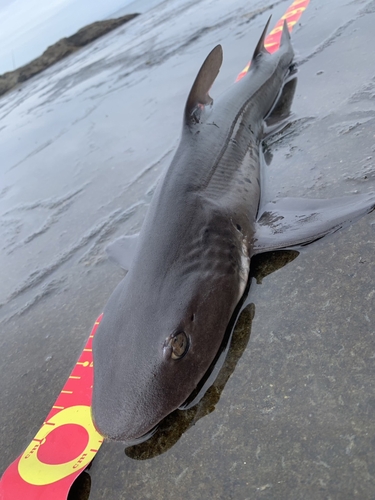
(178, 343)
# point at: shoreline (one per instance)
(61, 49)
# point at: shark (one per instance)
(188, 268)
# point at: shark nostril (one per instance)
(178, 344)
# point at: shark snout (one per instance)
(130, 431)
(130, 411)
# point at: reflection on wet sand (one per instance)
(177, 423)
(267, 263)
(80, 489)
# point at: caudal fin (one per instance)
(260, 48)
(285, 36)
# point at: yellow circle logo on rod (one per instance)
(34, 471)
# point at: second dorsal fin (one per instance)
(199, 96)
(260, 48)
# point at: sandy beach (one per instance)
(83, 145)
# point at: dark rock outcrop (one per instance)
(59, 50)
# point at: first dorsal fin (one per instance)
(198, 96)
(260, 48)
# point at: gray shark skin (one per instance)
(188, 268)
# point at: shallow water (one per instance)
(82, 147)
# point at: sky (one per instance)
(28, 27)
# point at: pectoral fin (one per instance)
(122, 250)
(281, 109)
(290, 222)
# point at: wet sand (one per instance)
(82, 147)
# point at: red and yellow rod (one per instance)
(64, 445)
(272, 42)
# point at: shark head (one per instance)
(150, 356)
